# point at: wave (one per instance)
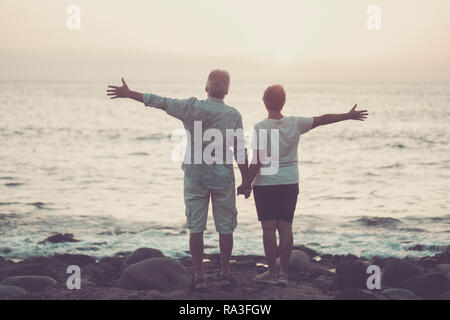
(397, 145)
(13, 184)
(384, 222)
(432, 248)
(413, 230)
(154, 136)
(38, 205)
(395, 165)
(443, 218)
(138, 154)
(8, 203)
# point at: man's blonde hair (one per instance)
(218, 83)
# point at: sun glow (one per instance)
(283, 57)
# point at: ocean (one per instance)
(73, 161)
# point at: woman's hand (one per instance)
(245, 190)
(360, 115)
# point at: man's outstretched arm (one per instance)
(124, 92)
(174, 107)
(325, 119)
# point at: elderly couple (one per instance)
(275, 193)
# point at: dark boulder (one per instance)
(115, 263)
(102, 274)
(398, 270)
(30, 283)
(164, 274)
(5, 250)
(25, 269)
(299, 262)
(142, 254)
(316, 270)
(9, 292)
(72, 259)
(356, 294)
(310, 252)
(444, 267)
(59, 238)
(351, 274)
(399, 294)
(379, 261)
(428, 285)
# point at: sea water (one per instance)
(73, 161)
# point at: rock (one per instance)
(75, 259)
(379, 261)
(243, 264)
(351, 274)
(164, 274)
(142, 254)
(417, 247)
(318, 270)
(324, 279)
(87, 284)
(350, 257)
(398, 270)
(5, 250)
(310, 252)
(428, 262)
(299, 262)
(356, 294)
(30, 283)
(24, 269)
(10, 291)
(122, 254)
(261, 269)
(59, 238)
(428, 285)
(445, 296)
(437, 248)
(444, 267)
(102, 273)
(115, 263)
(399, 294)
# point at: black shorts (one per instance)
(276, 202)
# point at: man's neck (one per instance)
(211, 97)
(276, 115)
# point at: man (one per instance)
(204, 179)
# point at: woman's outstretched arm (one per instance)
(353, 114)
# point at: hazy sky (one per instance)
(414, 34)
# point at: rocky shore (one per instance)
(147, 274)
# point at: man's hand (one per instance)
(360, 115)
(119, 92)
(245, 190)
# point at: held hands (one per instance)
(360, 115)
(119, 92)
(245, 190)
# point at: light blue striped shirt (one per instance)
(212, 113)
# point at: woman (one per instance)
(275, 191)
